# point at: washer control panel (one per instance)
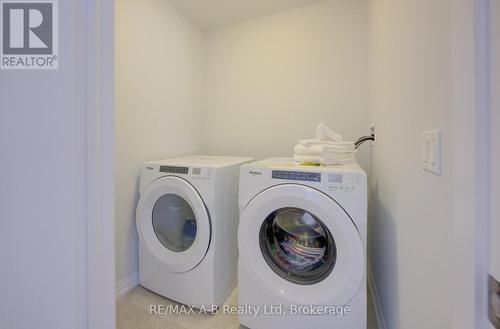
(296, 175)
(340, 182)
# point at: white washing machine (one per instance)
(187, 222)
(302, 244)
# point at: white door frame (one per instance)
(495, 138)
(470, 161)
(99, 115)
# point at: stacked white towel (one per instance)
(328, 148)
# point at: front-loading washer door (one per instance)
(300, 247)
(174, 223)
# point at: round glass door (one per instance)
(311, 250)
(174, 222)
(297, 246)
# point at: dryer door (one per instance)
(300, 247)
(174, 223)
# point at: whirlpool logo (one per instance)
(29, 34)
(255, 173)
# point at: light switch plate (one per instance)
(431, 151)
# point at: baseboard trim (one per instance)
(126, 284)
(379, 315)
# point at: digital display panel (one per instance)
(335, 178)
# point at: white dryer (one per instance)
(187, 221)
(302, 244)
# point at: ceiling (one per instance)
(214, 13)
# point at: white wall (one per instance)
(158, 103)
(271, 80)
(411, 228)
(42, 190)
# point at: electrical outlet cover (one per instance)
(372, 132)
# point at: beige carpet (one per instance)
(133, 312)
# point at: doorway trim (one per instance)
(99, 137)
(470, 159)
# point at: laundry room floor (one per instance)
(133, 312)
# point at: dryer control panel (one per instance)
(191, 172)
(201, 173)
(174, 170)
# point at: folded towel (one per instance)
(311, 142)
(322, 149)
(325, 160)
(326, 148)
(323, 133)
